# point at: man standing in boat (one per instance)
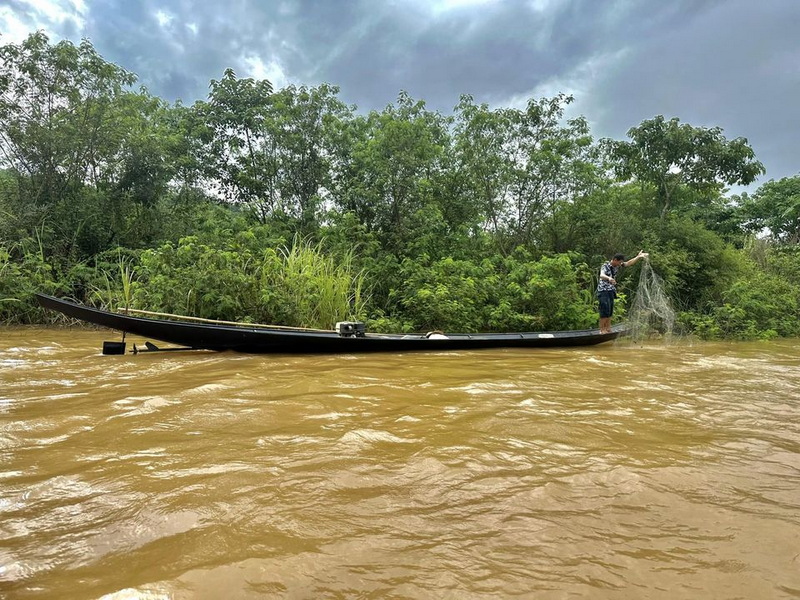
(607, 286)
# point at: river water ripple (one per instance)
(619, 471)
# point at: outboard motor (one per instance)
(351, 329)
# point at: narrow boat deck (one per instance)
(275, 339)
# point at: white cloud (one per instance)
(256, 68)
(46, 13)
(164, 18)
(13, 29)
(443, 6)
(579, 83)
(58, 11)
(542, 5)
(448, 4)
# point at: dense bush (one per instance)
(762, 306)
(485, 219)
(516, 293)
(23, 272)
(241, 280)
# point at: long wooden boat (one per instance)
(274, 339)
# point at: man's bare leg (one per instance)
(605, 325)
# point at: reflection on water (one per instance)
(619, 471)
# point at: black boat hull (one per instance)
(267, 340)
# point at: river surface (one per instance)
(617, 471)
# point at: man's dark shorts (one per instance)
(606, 304)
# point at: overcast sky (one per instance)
(728, 63)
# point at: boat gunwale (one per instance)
(270, 337)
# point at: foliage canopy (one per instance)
(289, 206)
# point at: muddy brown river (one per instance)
(618, 471)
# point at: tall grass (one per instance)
(116, 289)
(318, 289)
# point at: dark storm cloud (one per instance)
(175, 59)
(730, 66)
(493, 51)
(731, 63)
(372, 50)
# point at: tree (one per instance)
(669, 155)
(482, 162)
(55, 114)
(308, 131)
(270, 150)
(518, 165)
(233, 149)
(91, 158)
(395, 169)
(775, 206)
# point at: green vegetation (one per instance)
(289, 207)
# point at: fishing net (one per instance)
(651, 312)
